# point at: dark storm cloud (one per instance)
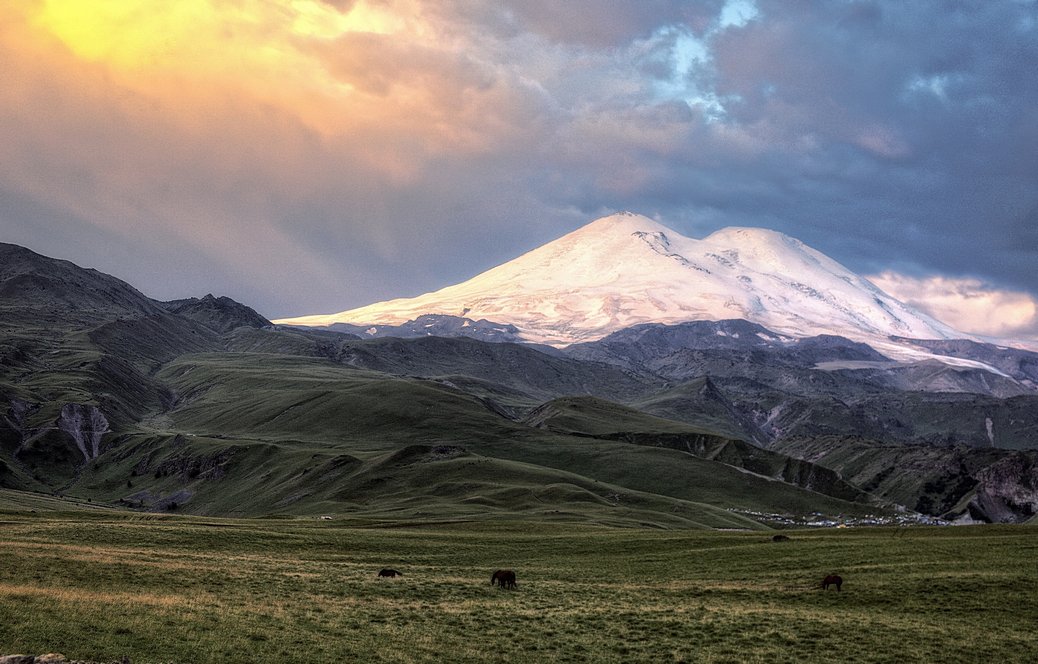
(918, 115)
(606, 24)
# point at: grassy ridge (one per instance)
(248, 433)
(162, 589)
(282, 413)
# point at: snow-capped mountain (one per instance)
(626, 269)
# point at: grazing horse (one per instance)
(832, 580)
(505, 578)
(388, 572)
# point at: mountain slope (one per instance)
(597, 418)
(42, 290)
(626, 269)
(199, 406)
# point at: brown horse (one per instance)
(505, 578)
(832, 580)
(389, 573)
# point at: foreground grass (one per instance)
(102, 586)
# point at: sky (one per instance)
(312, 156)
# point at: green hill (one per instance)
(197, 406)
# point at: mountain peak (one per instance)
(751, 235)
(622, 218)
(220, 314)
(623, 223)
(55, 287)
(626, 269)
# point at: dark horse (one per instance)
(505, 578)
(387, 572)
(832, 580)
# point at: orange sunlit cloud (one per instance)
(242, 39)
(136, 94)
(368, 70)
(966, 304)
(200, 122)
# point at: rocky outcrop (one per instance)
(438, 325)
(178, 471)
(1007, 491)
(219, 314)
(85, 425)
(954, 483)
(186, 466)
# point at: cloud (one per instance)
(315, 155)
(597, 24)
(205, 145)
(969, 305)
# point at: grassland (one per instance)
(104, 584)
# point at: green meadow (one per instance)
(102, 584)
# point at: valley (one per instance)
(201, 406)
